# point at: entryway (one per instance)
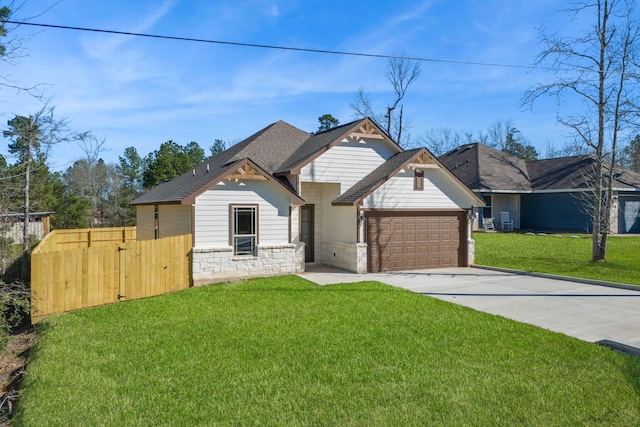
(307, 231)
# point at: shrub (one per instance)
(15, 304)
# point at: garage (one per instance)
(410, 240)
(629, 215)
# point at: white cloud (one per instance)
(106, 46)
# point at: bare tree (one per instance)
(569, 148)
(12, 47)
(597, 70)
(443, 139)
(401, 73)
(498, 133)
(89, 173)
(31, 137)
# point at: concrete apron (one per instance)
(585, 311)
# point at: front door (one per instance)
(306, 231)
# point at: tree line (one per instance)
(91, 192)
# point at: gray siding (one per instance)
(557, 212)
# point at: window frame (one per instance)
(234, 235)
(156, 221)
(418, 180)
(488, 207)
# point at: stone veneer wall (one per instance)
(347, 256)
(219, 264)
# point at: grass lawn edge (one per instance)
(560, 277)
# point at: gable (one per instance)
(347, 162)
(265, 149)
(395, 172)
(439, 192)
(275, 151)
(316, 145)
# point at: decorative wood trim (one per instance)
(423, 166)
(367, 131)
(247, 172)
(355, 131)
(246, 166)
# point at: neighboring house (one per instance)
(348, 197)
(12, 225)
(545, 195)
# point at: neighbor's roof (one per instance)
(483, 168)
(31, 214)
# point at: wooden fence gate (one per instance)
(71, 279)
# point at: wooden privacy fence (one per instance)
(85, 238)
(81, 277)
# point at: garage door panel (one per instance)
(416, 240)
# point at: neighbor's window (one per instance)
(418, 181)
(487, 212)
(156, 222)
(244, 225)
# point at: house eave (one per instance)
(236, 173)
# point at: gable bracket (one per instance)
(248, 172)
(424, 161)
(366, 131)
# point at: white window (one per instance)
(244, 229)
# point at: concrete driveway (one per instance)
(585, 311)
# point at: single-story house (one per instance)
(546, 195)
(348, 197)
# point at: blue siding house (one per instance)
(541, 195)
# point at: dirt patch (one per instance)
(12, 362)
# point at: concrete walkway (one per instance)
(585, 311)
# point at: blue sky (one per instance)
(142, 92)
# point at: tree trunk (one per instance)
(25, 229)
(597, 252)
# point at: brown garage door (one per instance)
(414, 240)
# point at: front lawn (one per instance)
(566, 256)
(283, 351)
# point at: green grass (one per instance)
(283, 351)
(564, 255)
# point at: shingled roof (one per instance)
(275, 150)
(483, 168)
(318, 143)
(265, 148)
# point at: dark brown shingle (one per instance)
(483, 168)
